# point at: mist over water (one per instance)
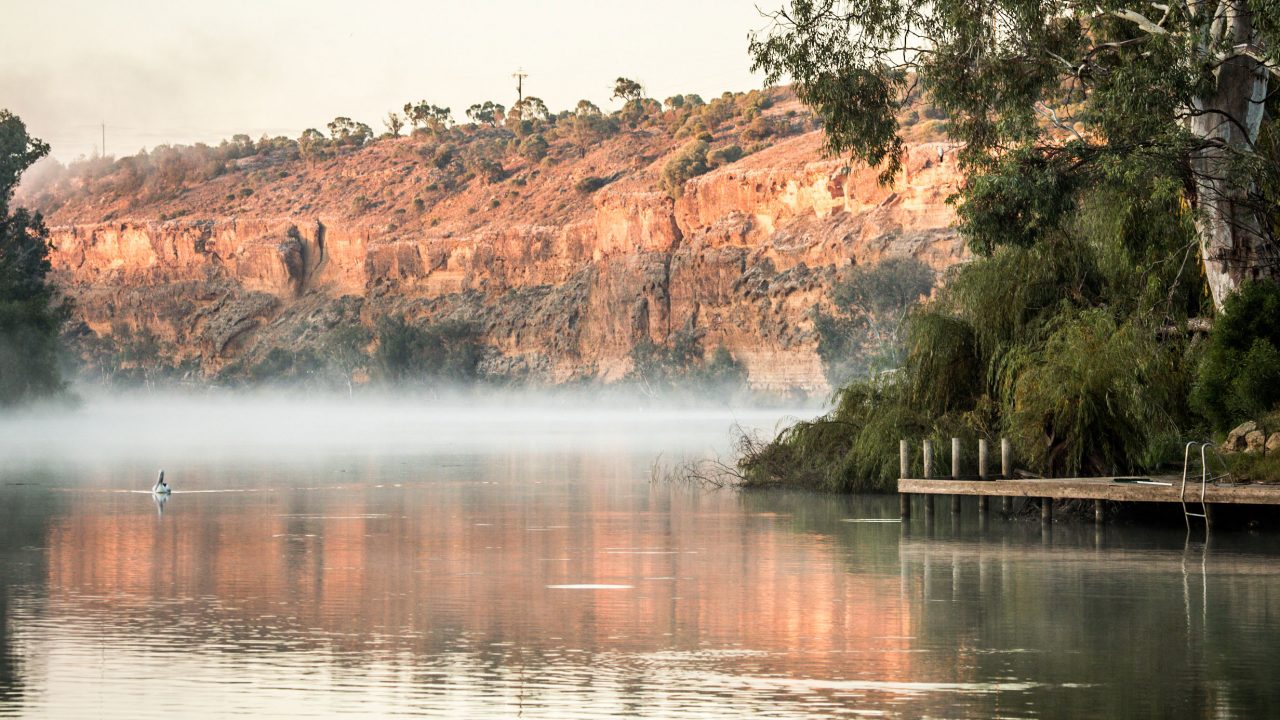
(171, 429)
(510, 556)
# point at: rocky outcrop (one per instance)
(743, 256)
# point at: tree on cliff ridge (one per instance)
(626, 89)
(29, 319)
(1047, 97)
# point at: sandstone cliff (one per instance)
(562, 281)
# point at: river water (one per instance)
(474, 562)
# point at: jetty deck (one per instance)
(1096, 488)
(1197, 494)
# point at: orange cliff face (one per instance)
(562, 283)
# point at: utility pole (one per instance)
(104, 139)
(520, 75)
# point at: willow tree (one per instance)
(1042, 93)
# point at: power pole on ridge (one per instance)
(520, 75)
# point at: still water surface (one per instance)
(439, 564)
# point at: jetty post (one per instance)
(955, 472)
(928, 473)
(982, 473)
(904, 470)
(1006, 472)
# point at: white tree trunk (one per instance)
(1232, 246)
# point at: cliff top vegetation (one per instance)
(434, 167)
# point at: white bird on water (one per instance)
(161, 487)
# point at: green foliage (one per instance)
(394, 123)
(344, 131)
(429, 118)
(29, 318)
(533, 148)
(1093, 395)
(681, 364)
(345, 349)
(723, 370)
(527, 116)
(311, 144)
(1238, 377)
(843, 451)
(689, 161)
(1022, 199)
(860, 334)
(1063, 345)
(444, 352)
(636, 112)
(1045, 98)
(627, 90)
(486, 113)
(587, 126)
(590, 184)
(724, 155)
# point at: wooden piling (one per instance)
(1097, 511)
(928, 473)
(955, 472)
(904, 470)
(982, 473)
(1046, 510)
(1006, 472)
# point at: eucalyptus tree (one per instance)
(30, 317)
(486, 113)
(434, 118)
(1044, 97)
(627, 89)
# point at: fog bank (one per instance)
(169, 429)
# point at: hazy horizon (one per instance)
(163, 73)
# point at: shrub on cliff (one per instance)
(680, 365)
(724, 156)
(444, 352)
(588, 185)
(29, 318)
(689, 161)
(533, 148)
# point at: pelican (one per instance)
(161, 487)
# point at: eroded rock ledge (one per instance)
(744, 255)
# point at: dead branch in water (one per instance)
(713, 473)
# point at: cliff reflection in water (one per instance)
(442, 583)
(415, 572)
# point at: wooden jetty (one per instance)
(1096, 488)
(1197, 494)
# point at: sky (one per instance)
(181, 71)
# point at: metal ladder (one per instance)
(1205, 479)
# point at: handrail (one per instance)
(1205, 479)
